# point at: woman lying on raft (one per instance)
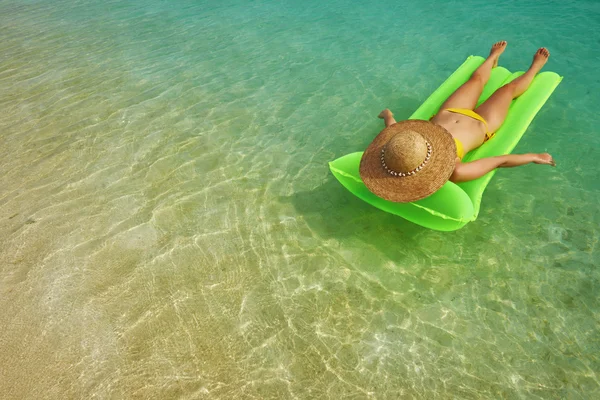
(404, 149)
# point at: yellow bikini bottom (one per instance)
(474, 115)
(460, 150)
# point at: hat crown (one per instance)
(405, 151)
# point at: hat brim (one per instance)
(425, 182)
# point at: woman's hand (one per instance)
(544, 158)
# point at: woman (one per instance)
(412, 159)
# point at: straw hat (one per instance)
(408, 161)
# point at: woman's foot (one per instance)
(385, 114)
(497, 49)
(539, 59)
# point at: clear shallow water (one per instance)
(169, 227)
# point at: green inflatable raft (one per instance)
(454, 205)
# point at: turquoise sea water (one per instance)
(169, 227)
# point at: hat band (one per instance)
(414, 171)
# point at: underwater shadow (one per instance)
(332, 212)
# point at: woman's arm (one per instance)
(476, 169)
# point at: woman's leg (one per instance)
(468, 94)
(495, 108)
(387, 117)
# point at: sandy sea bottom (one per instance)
(169, 227)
